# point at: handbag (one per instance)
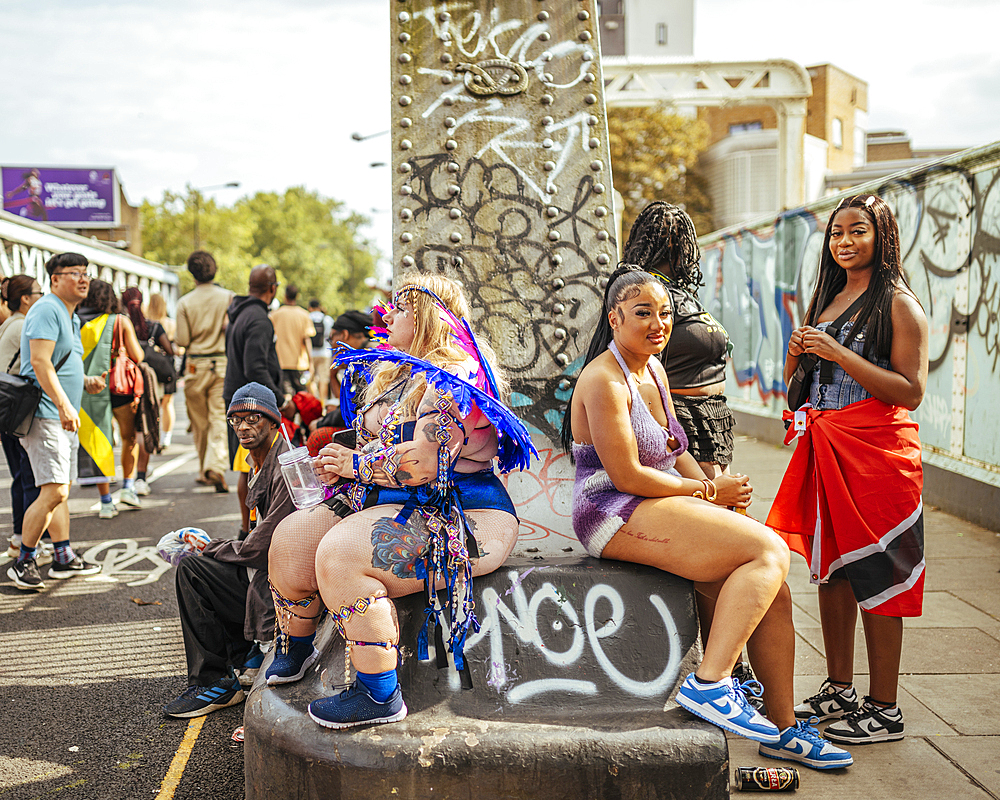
(125, 377)
(19, 399)
(801, 380)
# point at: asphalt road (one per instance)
(88, 663)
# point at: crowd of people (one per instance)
(412, 503)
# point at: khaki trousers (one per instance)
(207, 412)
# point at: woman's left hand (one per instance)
(336, 461)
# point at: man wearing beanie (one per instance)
(223, 593)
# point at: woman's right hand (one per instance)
(732, 490)
(796, 346)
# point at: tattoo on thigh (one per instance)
(430, 431)
(647, 537)
(472, 529)
(397, 548)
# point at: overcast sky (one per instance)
(268, 92)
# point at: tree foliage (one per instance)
(653, 156)
(311, 240)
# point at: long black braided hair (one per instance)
(887, 276)
(624, 283)
(663, 238)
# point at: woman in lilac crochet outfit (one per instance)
(640, 497)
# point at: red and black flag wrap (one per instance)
(850, 500)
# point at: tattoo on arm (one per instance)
(429, 430)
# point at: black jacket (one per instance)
(250, 351)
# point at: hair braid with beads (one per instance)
(663, 239)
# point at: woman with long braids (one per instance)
(639, 496)
(850, 499)
(417, 504)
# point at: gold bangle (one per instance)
(698, 493)
(711, 491)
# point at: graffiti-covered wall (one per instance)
(759, 280)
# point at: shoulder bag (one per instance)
(125, 377)
(19, 398)
(801, 380)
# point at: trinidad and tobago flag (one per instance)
(850, 500)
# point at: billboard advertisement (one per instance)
(62, 196)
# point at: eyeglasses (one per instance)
(249, 419)
(78, 276)
(38, 292)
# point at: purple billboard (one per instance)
(64, 197)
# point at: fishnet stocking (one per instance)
(365, 555)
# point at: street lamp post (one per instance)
(197, 204)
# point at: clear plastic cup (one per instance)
(303, 485)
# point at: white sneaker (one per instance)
(43, 554)
(141, 487)
(129, 498)
(166, 438)
(108, 511)
(14, 549)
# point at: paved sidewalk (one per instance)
(950, 670)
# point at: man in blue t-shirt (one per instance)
(52, 355)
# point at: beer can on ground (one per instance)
(767, 779)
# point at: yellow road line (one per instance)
(173, 777)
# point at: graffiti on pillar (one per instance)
(502, 177)
(759, 281)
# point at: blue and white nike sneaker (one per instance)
(725, 704)
(802, 743)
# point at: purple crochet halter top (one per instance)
(599, 509)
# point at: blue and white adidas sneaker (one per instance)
(802, 743)
(197, 701)
(725, 704)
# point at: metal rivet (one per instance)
(546, 121)
(403, 17)
(547, 99)
(551, 188)
(590, 99)
(583, 15)
(449, 100)
(406, 237)
(446, 79)
(543, 15)
(544, 36)
(548, 166)
(558, 283)
(406, 80)
(405, 100)
(554, 236)
(449, 122)
(454, 190)
(451, 144)
(547, 143)
(564, 384)
(406, 144)
(603, 259)
(597, 166)
(592, 120)
(602, 235)
(603, 283)
(601, 211)
(556, 261)
(444, 16)
(558, 308)
(405, 167)
(446, 58)
(405, 122)
(404, 37)
(408, 261)
(406, 215)
(546, 56)
(584, 36)
(559, 333)
(453, 166)
(599, 188)
(594, 143)
(552, 211)
(456, 237)
(457, 261)
(588, 56)
(454, 213)
(406, 191)
(589, 78)
(562, 358)
(405, 58)
(547, 77)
